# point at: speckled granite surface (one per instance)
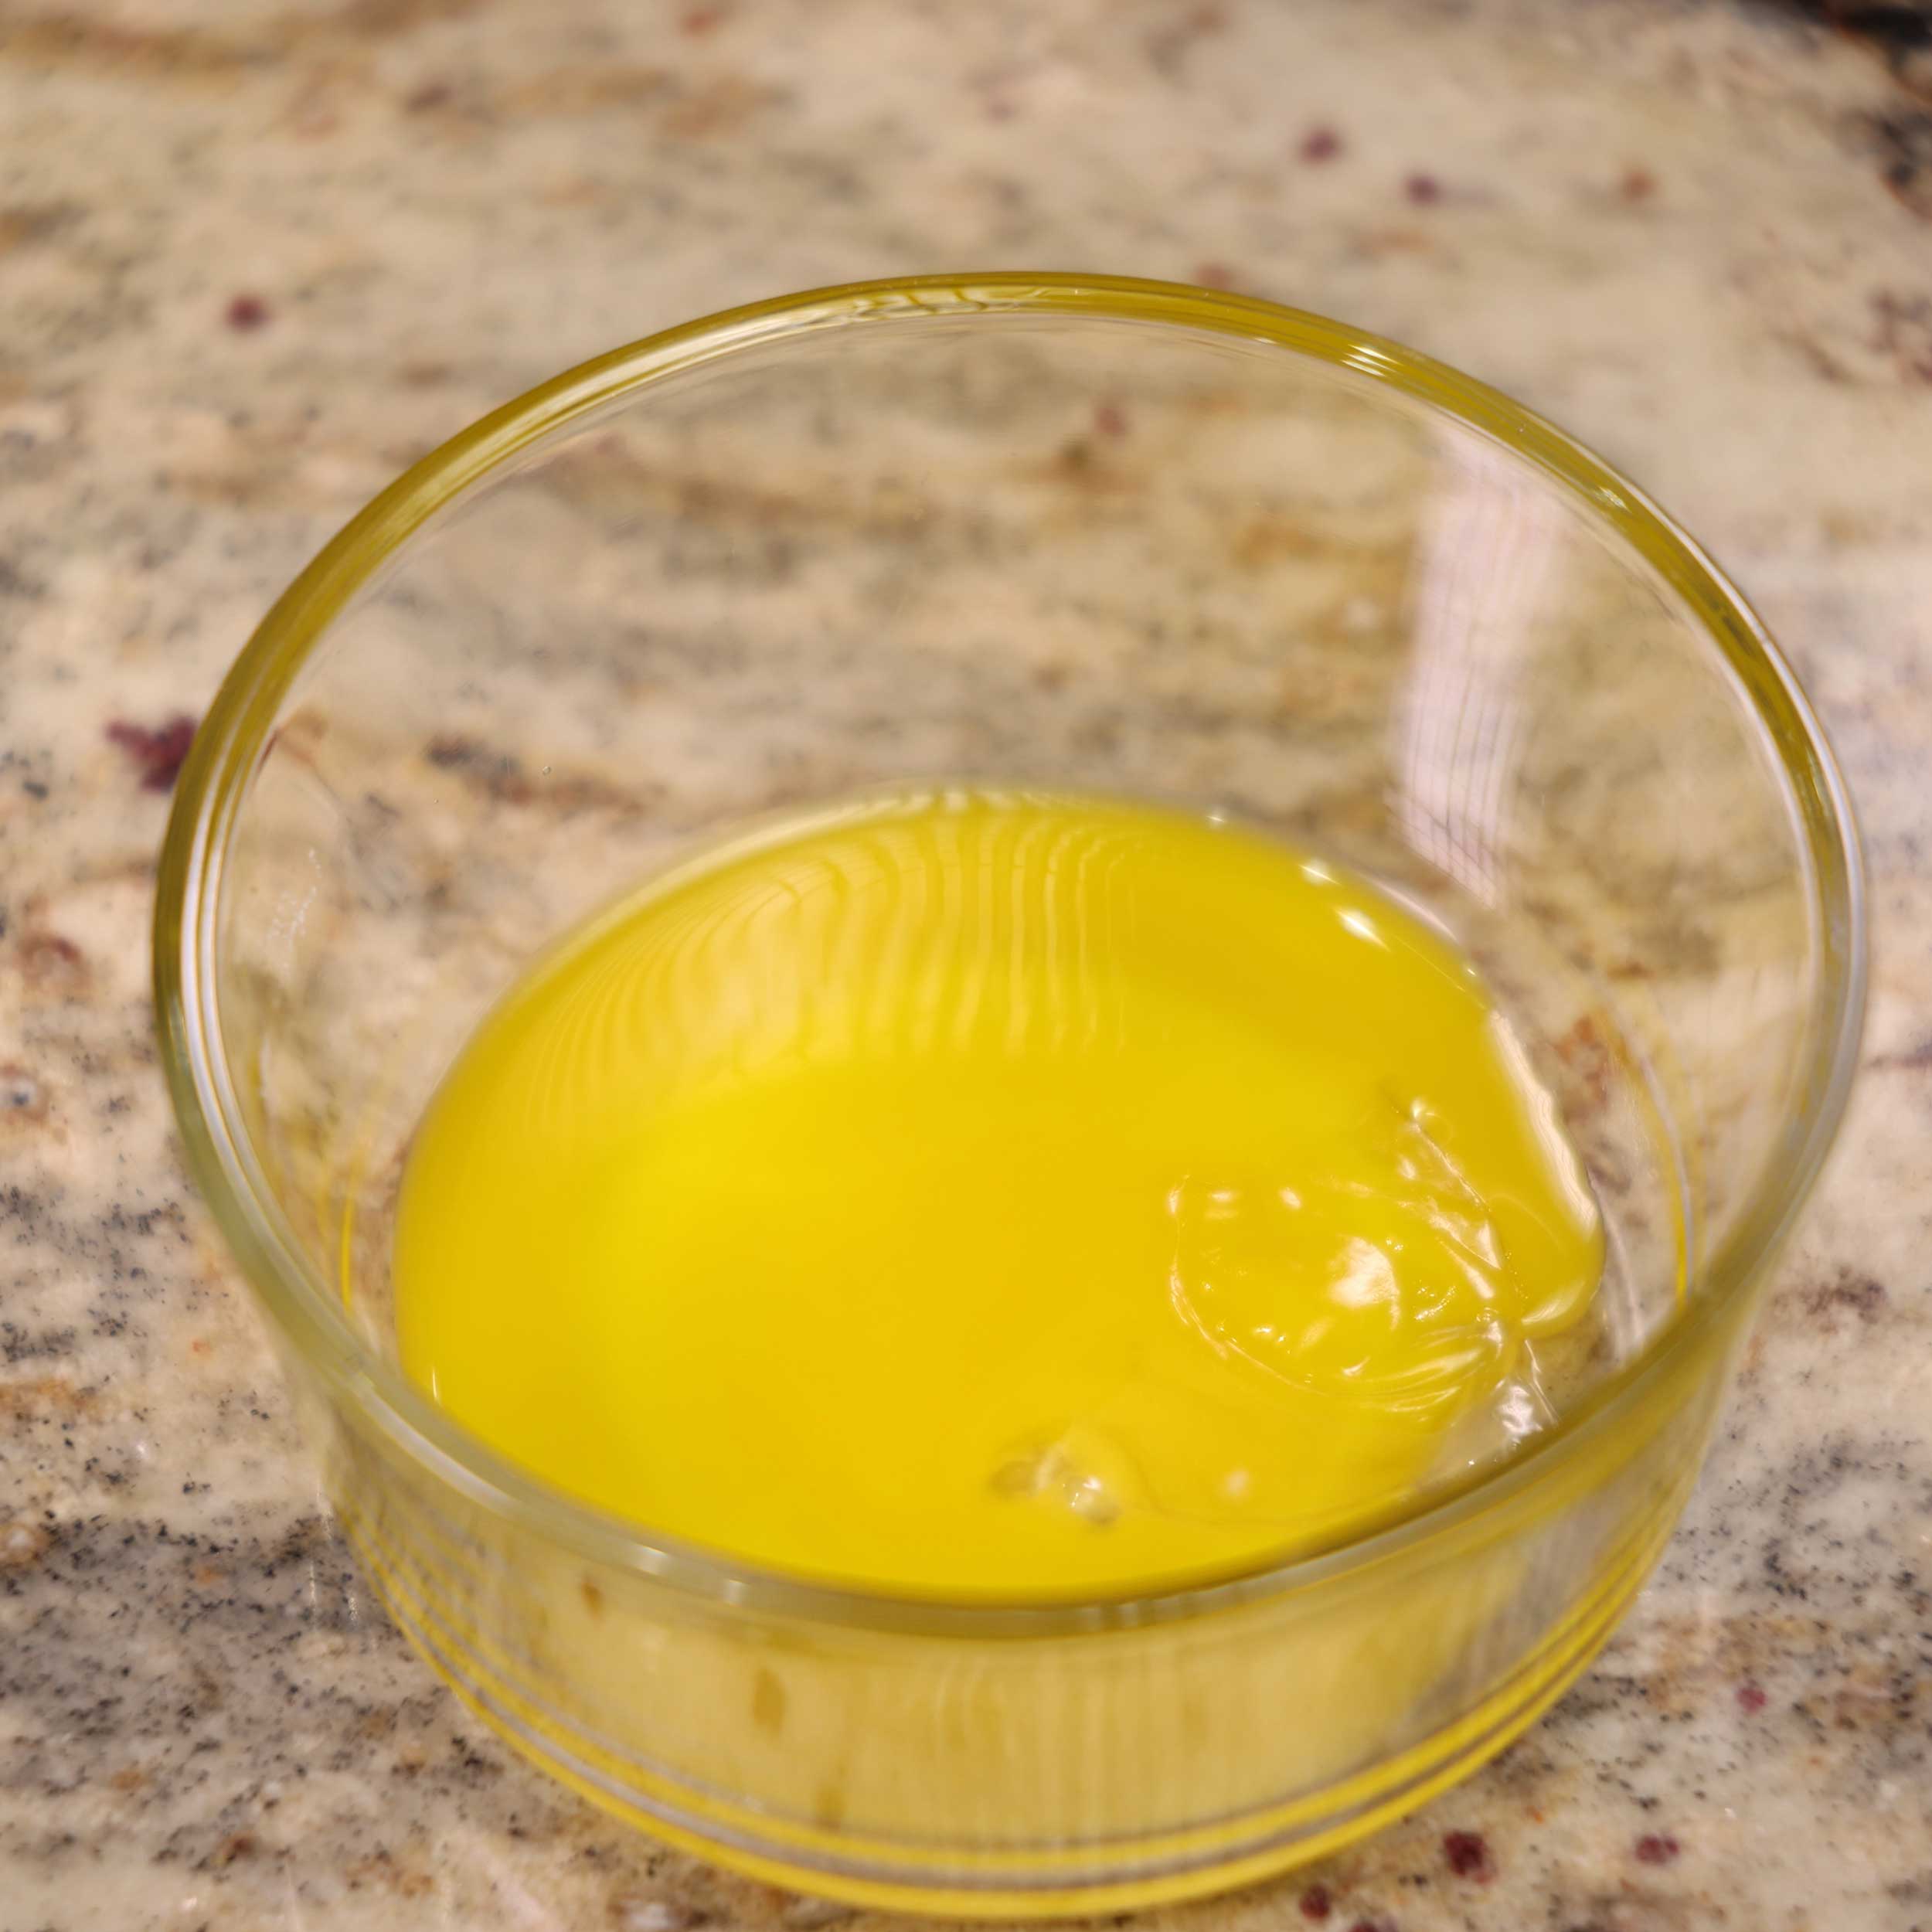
(251, 261)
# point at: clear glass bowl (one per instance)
(1083, 532)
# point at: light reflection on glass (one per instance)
(1488, 567)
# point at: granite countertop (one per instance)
(253, 259)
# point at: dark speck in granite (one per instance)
(1903, 139)
(1845, 1294)
(1895, 28)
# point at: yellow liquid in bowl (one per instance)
(984, 1194)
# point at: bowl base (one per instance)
(1268, 1843)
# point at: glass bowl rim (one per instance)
(234, 736)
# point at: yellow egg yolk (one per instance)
(990, 1193)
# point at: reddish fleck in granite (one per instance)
(1468, 1854)
(1657, 1847)
(157, 752)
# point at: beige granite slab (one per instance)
(254, 259)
